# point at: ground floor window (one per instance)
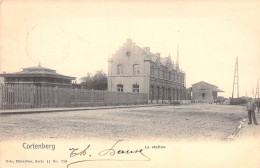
(135, 88)
(120, 88)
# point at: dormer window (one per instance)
(163, 74)
(152, 70)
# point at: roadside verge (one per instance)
(49, 110)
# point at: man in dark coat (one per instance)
(251, 106)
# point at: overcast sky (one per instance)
(77, 37)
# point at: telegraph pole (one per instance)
(257, 90)
(235, 81)
(257, 95)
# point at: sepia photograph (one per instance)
(129, 83)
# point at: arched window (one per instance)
(136, 69)
(135, 88)
(120, 88)
(120, 69)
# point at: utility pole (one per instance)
(257, 95)
(177, 58)
(257, 90)
(235, 81)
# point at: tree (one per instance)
(96, 82)
(100, 81)
(87, 81)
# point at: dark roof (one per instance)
(37, 71)
(38, 68)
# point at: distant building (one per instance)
(136, 69)
(188, 93)
(204, 92)
(38, 76)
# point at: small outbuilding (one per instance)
(204, 92)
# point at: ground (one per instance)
(206, 121)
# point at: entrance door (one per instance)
(203, 96)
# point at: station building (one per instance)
(136, 69)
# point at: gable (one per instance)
(129, 52)
(204, 85)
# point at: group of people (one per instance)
(251, 107)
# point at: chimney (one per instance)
(129, 40)
(157, 54)
(177, 59)
(147, 48)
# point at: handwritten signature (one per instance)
(112, 152)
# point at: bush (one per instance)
(257, 103)
(237, 101)
(176, 103)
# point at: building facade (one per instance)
(136, 69)
(204, 92)
(38, 76)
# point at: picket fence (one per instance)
(24, 96)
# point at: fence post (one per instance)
(92, 97)
(55, 89)
(1, 95)
(75, 97)
(32, 96)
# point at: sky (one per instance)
(77, 37)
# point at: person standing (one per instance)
(251, 107)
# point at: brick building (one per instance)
(136, 69)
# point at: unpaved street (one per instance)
(161, 122)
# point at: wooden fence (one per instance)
(28, 96)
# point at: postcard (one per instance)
(171, 84)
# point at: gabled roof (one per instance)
(201, 82)
(213, 86)
(218, 90)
